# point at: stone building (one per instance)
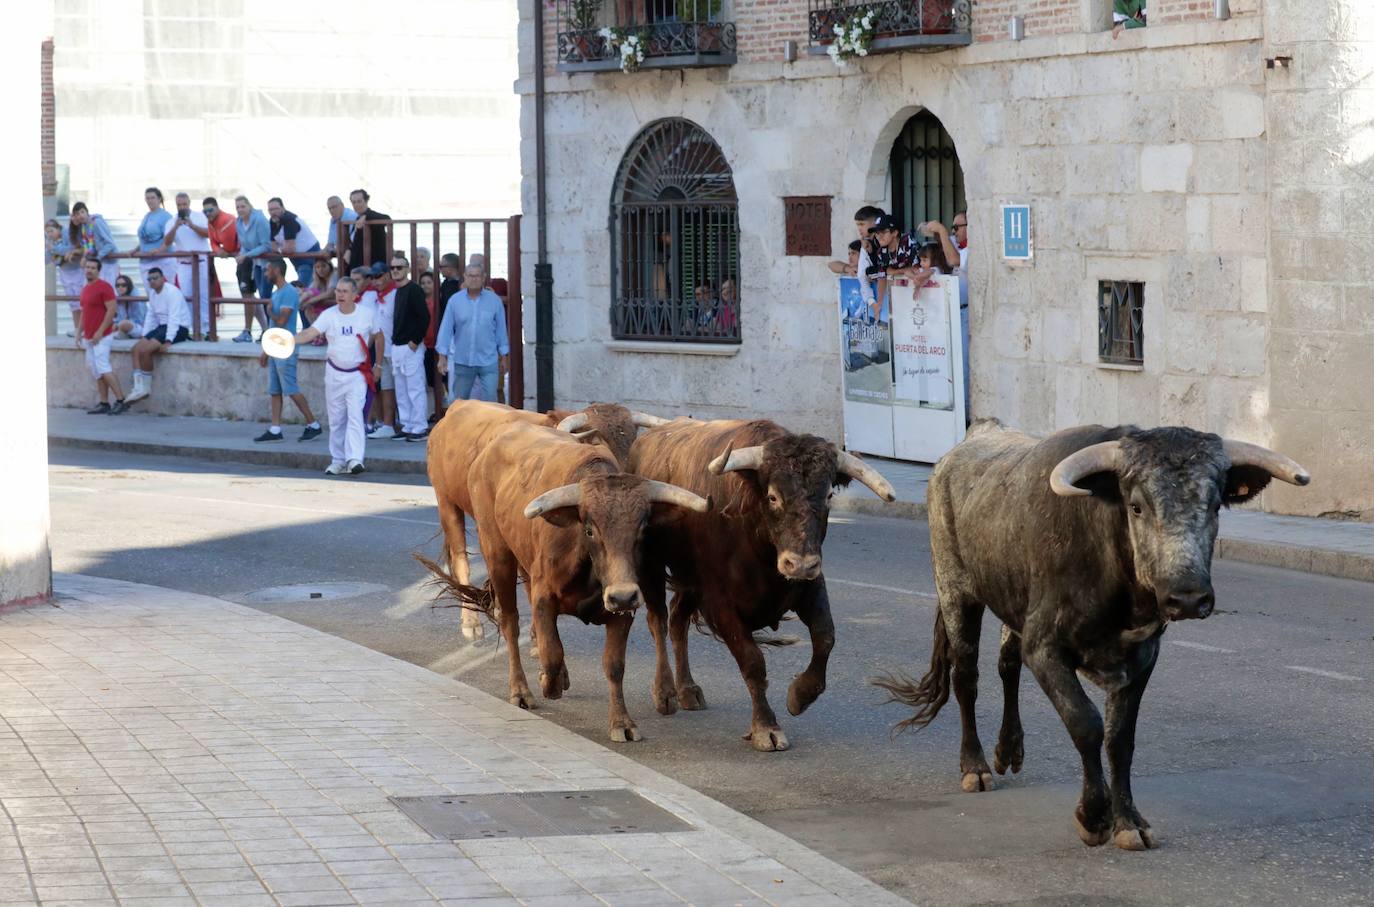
(1200, 194)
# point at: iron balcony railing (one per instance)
(671, 34)
(896, 24)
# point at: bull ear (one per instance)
(1243, 483)
(563, 517)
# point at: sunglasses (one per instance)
(398, 267)
(957, 226)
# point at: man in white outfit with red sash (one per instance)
(349, 329)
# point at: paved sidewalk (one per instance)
(1329, 547)
(160, 747)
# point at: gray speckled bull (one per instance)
(1085, 545)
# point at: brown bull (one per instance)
(743, 566)
(468, 427)
(565, 515)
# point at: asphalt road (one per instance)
(1253, 759)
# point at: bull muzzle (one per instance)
(799, 566)
(621, 598)
(1191, 602)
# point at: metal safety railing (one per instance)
(443, 234)
(893, 24)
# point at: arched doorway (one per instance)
(927, 182)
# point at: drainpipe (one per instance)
(543, 271)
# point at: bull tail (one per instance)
(930, 693)
(482, 599)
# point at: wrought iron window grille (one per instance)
(675, 239)
(1121, 322)
(673, 34)
(897, 24)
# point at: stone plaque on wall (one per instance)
(808, 224)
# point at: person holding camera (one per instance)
(189, 231)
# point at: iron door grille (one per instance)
(1120, 322)
(927, 180)
(675, 239)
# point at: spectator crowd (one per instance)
(386, 322)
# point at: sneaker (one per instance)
(382, 432)
(334, 469)
(355, 468)
(244, 337)
(102, 409)
(418, 436)
(401, 436)
(311, 434)
(119, 407)
(142, 387)
(270, 435)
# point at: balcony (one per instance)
(897, 24)
(671, 34)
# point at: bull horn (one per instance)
(735, 460)
(575, 422)
(674, 494)
(1103, 457)
(562, 496)
(1276, 464)
(644, 420)
(851, 465)
(590, 436)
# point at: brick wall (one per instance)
(48, 127)
(1167, 12)
(762, 25)
(1043, 17)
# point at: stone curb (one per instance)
(315, 459)
(1339, 564)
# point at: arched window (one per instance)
(675, 239)
(927, 180)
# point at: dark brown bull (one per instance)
(468, 427)
(757, 556)
(564, 514)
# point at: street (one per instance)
(1252, 760)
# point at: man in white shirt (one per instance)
(189, 231)
(349, 330)
(383, 295)
(168, 321)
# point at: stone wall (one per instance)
(1163, 155)
(1321, 214)
(218, 380)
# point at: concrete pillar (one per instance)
(25, 558)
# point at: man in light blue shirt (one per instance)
(472, 337)
(281, 373)
(255, 238)
(338, 213)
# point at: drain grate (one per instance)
(304, 592)
(539, 814)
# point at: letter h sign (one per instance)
(1016, 233)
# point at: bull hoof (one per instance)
(1093, 837)
(563, 677)
(767, 740)
(1133, 839)
(973, 782)
(551, 685)
(665, 700)
(523, 700)
(691, 698)
(1008, 757)
(626, 734)
(802, 692)
(473, 631)
(534, 651)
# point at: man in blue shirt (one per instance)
(281, 373)
(472, 338)
(255, 238)
(338, 213)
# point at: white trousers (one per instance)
(185, 282)
(98, 355)
(408, 371)
(344, 395)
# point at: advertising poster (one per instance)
(922, 330)
(865, 347)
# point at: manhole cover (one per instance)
(541, 814)
(307, 592)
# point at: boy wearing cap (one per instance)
(351, 331)
(281, 373)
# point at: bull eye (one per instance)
(773, 499)
(1135, 508)
(591, 533)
